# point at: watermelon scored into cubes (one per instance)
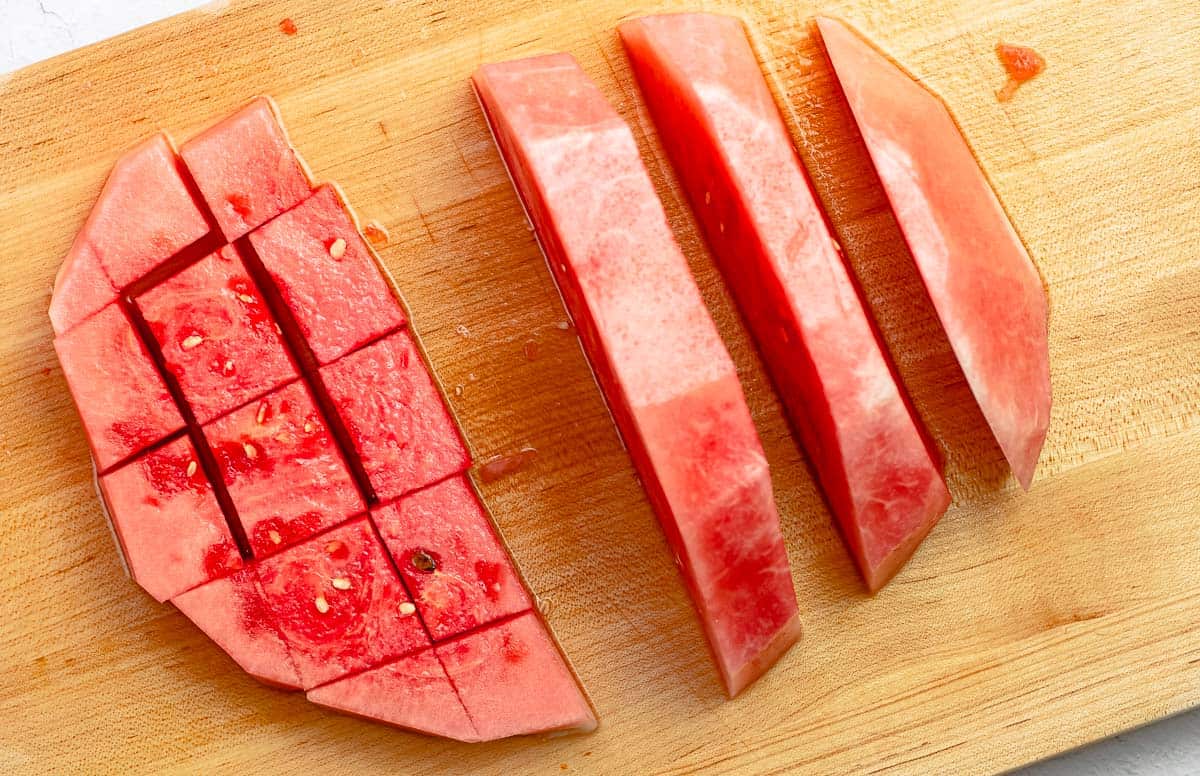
(724, 134)
(985, 288)
(231, 491)
(662, 366)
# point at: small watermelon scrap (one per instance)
(123, 401)
(283, 469)
(327, 276)
(168, 521)
(246, 169)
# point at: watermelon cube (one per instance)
(327, 276)
(246, 169)
(339, 604)
(217, 335)
(412, 693)
(168, 521)
(123, 401)
(452, 561)
(233, 613)
(985, 289)
(80, 289)
(283, 469)
(396, 417)
(719, 124)
(513, 681)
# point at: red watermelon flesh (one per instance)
(985, 289)
(451, 559)
(246, 169)
(283, 469)
(80, 289)
(168, 521)
(513, 681)
(662, 366)
(327, 276)
(232, 612)
(729, 145)
(123, 401)
(412, 692)
(398, 421)
(217, 335)
(339, 604)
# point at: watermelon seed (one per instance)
(228, 367)
(341, 583)
(192, 341)
(407, 609)
(274, 537)
(191, 468)
(337, 249)
(246, 298)
(308, 427)
(262, 413)
(250, 450)
(321, 604)
(423, 561)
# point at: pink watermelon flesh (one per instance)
(983, 284)
(232, 612)
(123, 402)
(412, 692)
(727, 140)
(396, 417)
(662, 366)
(514, 682)
(283, 469)
(447, 551)
(334, 290)
(168, 521)
(217, 335)
(246, 169)
(346, 573)
(80, 289)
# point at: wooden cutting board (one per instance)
(1026, 624)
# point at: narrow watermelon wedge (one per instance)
(513, 681)
(123, 401)
(283, 469)
(246, 169)
(724, 133)
(233, 613)
(339, 604)
(661, 364)
(396, 417)
(447, 551)
(217, 335)
(168, 521)
(144, 216)
(412, 693)
(984, 287)
(327, 276)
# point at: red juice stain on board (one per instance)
(504, 465)
(1021, 63)
(377, 234)
(287, 26)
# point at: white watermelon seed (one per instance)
(321, 604)
(337, 249)
(191, 468)
(341, 583)
(407, 609)
(192, 341)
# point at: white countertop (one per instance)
(31, 30)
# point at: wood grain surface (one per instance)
(1026, 624)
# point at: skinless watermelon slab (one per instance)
(123, 401)
(983, 284)
(232, 612)
(339, 604)
(662, 366)
(168, 521)
(283, 469)
(217, 335)
(724, 134)
(246, 169)
(327, 276)
(446, 549)
(412, 692)
(396, 417)
(513, 681)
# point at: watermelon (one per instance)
(726, 138)
(283, 469)
(144, 216)
(246, 170)
(122, 399)
(167, 518)
(327, 276)
(661, 365)
(451, 559)
(217, 336)
(398, 421)
(985, 288)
